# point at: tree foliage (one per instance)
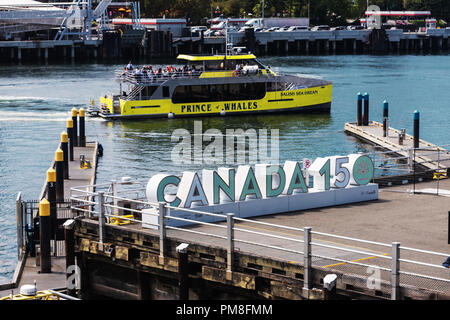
(332, 12)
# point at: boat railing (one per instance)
(148, 78)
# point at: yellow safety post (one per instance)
(44, 235)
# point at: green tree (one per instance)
(332, 12)
(193, 10)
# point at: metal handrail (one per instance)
(350, 239)
(268, 224)
(268, 246)
(421, 263)
(197, 232)
(198, 222)
(351, 250)
(268, 235)
(143, 79)
(351, 262)
(425, 251)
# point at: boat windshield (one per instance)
(222, 64)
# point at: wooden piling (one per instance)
(59, 168)
(44, 236)
(82, 135)
(65, 149)
(183, 272)
(71, 138)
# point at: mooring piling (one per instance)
(385, 117)
(59, 168)
(75, 126)
(416, 118)
(44, 236)
(71, 139)
(51, 198)
(65, 149)
(82, 135)
(359, 110)
(366, 109)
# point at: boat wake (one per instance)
(307, 75)
(26, 98)
(33, 116)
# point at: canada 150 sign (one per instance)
(261, 182)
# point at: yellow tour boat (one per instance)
(212, 85)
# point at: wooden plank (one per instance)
(152, 260)
(238, 279)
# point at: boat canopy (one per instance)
(215, 57)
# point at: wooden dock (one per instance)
(27, 270)
(428, 155)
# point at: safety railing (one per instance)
(385, 265)
(393, 159)
(149, 77)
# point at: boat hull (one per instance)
(313, 99)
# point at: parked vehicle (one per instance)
(271, 29)
(338, 28)
(276, 22)
(198, 28)
(298, 28)
(222, 32)
(321, 28)
(355, 28)
(283, 29)
(209, 33)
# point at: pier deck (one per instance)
(397, 216)
(426, 155)
(82, 177)
(415, 220)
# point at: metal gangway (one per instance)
(17, 16)
(81, 15)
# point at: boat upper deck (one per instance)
(219, 77)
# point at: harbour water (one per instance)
(35, 102)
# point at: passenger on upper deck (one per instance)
(138, 74)
(129, 66)
(158, 73)
(237, 70)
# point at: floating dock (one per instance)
(427, 154)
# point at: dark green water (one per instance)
(35, 101)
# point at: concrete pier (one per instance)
(324, 42)
(113, 45)
(138, 43)
(257, 269)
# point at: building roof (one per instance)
(27, 4)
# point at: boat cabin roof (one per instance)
(214, 57)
